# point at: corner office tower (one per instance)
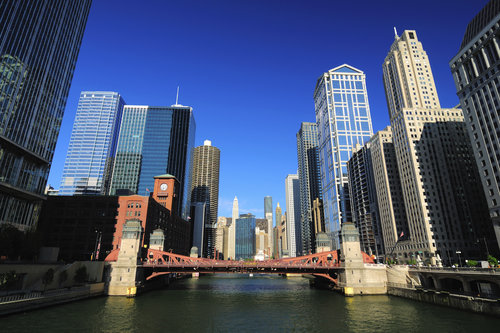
(39, 45)
(343, 120)
(445, 207)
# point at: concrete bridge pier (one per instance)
(124, 272)
(357, 277)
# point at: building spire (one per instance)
(395, 33)
(177, 96)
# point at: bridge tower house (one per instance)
(358, 278)
(124, 273)
(157, 240)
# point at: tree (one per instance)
(492, 261)
(81, 275)
(48, 277)
(9, 280)
(471, 263)
(63, 276)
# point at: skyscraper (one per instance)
(154, 140)
(292, 193)
(92, 147)
(364, 206)
(268, 211)
(343, 120)
(205, 188)
(245, 237)
(231, 239)
(309, 180)
(39, 45)
(389, 191)
(477, 79)
(281, 234)
(445, 206)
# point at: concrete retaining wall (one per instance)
(468, 303)
(34, 273)
(40, 300)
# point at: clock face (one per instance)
(163, 187)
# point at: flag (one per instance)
(148, 190)
(402, 234)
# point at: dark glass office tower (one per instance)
(39, 45)
(154, 141)
(309, 180)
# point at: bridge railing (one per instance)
(237, 264)
(20, 297)
(457, 269)
(402, 285)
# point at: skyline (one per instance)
(275, 64)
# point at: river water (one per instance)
(231, 303)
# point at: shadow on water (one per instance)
(241, 304)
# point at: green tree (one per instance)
(80, 275)
(471, 263)
(47, 278)
(63, 276)
(492, 261)
(9, 280)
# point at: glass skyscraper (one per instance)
(343, 120)
(309, 180)
(154, 141)
(39, 45)
(245, 236)
(93, 143)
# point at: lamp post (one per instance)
(459, 259)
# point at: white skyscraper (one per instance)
(232, 231)
(292, 193)
(446, 210)
(268, 211)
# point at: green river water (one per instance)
(242, 304)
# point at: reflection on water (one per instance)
(236, 304)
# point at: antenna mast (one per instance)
(177, 97)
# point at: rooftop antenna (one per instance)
(395, 33)
(177, 97)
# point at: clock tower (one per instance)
(165, 191)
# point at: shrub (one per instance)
(81, 275)
(471, 263)
(63, 276)
(48, 277)
(492, 261)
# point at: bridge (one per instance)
(351, 270)
(325, 264)
(475, 281)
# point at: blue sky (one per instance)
(249, 68)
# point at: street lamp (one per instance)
(459, 259)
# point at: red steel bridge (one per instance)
(325, 264)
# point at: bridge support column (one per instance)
(124, 272)
(357, 277)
